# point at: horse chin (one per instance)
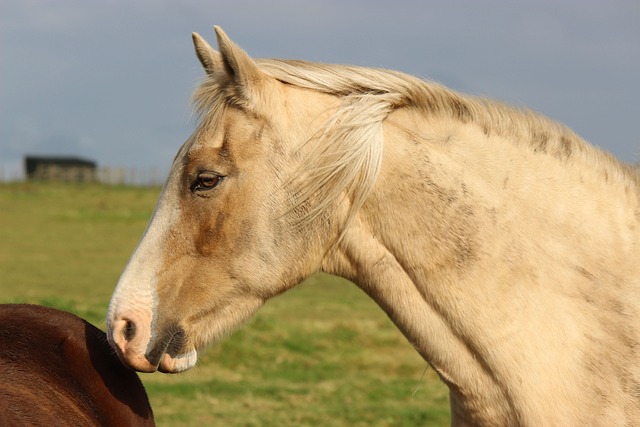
(179, 363)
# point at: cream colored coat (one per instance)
(503, 246)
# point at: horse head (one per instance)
(224, 236)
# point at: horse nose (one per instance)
(128, 337)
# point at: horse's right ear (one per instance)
(242, 70)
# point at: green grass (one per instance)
(322, 354)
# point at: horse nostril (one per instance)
(129, 330)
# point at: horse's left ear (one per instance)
(210, 59)
(242, 70)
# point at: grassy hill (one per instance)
(322, 354)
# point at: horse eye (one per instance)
(206, 181)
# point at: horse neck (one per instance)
(363, 258)
(412, 238)
(430, 242)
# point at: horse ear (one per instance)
(209, 58)
(238, 65)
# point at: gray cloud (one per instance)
(112, 80)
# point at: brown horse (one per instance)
(58, 370)
(503, 246)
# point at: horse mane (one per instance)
(346, 155)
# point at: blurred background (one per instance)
(110, 81)
(101, 89)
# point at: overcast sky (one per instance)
(111, 80)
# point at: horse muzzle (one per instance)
(131, 338)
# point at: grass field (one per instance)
(322, 354)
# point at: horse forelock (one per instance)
(346, 154)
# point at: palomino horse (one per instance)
(503, 246)
(58, 370)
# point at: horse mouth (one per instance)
(168, 354)
(170, 343)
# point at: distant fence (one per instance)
(120, 175)
(152, 176)
(11, 173)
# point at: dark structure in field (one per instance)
(67, 169)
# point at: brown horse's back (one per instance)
(57, 369)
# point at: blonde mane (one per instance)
(347, 153)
